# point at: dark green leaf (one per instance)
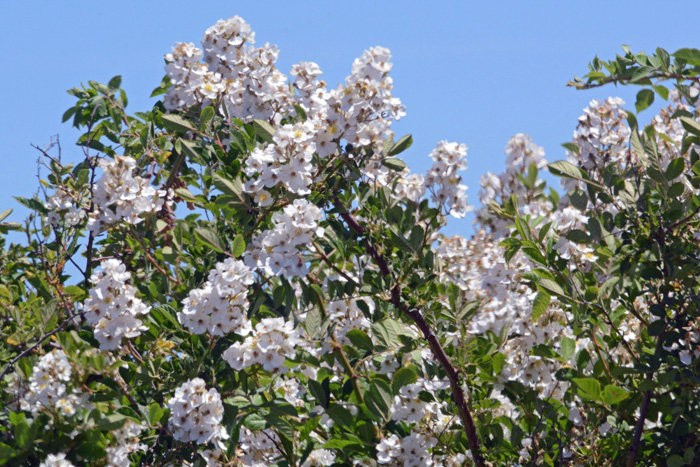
(238, 246)
(401, 145)
(177, 123)
(264, 130)
(690, 125)
(691, 56)
(360, 339)
(209, 238)
(403, 377)
(540, 304)
(675, 168)
(396, 165)
(340, 415)
(552, 286)
(645, 98)
(115, 83)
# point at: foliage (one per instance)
(249, 274)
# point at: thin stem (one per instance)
(437, 350)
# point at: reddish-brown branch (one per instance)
(439, 353)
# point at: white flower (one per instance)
(196, 414)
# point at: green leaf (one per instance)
(338, 443)
(360, 339)
(379, 399)
(6, 453)
(645, 98)
(499, 361)
(402, 377)
(386, 333)
(340, 415)
(568, 170)
(614, 394)
(185, 194)
(313, 321)
(568, 347)
(255, 422)
(115, 83)
(690, 125)
(401, 145)
(264, 130)
(189, 149)
(642, 73)
(320, 391)
(282, 426)
(571, 147)
(552, 286)
(675, 461)
(177, 123)
(22, 434)
(209, 238)
(675, 168)
(4, 214)
(155, 413)
(661, 91)
(690, 56)
(233, 188)
(397, 165)
(238, 246)
(590, 387)
(205, 115)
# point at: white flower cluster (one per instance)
(411, 451)
(602, 137)
(220, 305)
(113, 307)
(196, 414)
(47, 386)
(670, 132)
(120, 195)
(409, 186)
(521, 152)
(287, 162)
(566, 219)
(127, 442)
(257, 448)
(56, 460)
(479, 268)
(346, 315)
(236, 74)
(276, 251)
(319, 458)
(273, 341)
(63, 204)
(409, 408)
(364, 108)
(444, 182)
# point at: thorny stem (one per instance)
(419, 320)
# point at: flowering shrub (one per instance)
(248, 274)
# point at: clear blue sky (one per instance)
(471, 72)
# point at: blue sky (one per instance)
(471, 72)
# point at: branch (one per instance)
(639, 427)
(38, 343)
(419, 320)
